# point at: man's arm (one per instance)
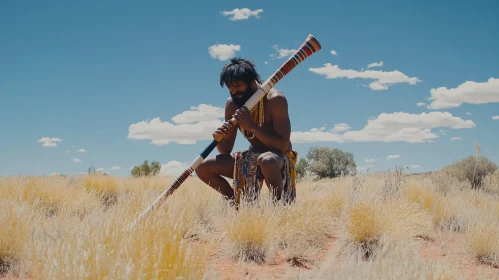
(227, 144)
(279, 140)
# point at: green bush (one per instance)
(472, 169)
(325, 162)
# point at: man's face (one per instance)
(240, 92)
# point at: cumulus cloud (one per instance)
(173, 168)
(415, 166)
(370, 160)
(49, 142)
(282, 53)
(188, 127)
(333, 52)
(82, 151)
(375, 64)
(115, 168)
(468, 92)
(383, 79)
(339, 127)
(76, 160)
(199, 113)
(223, 52)
(389, 127)
(241, 14)
(455, 138)
(315, 135)
(419, 104)
(389, 157)
(495, 118)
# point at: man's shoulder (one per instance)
(275, 94)
(276, 98)
(230, 104)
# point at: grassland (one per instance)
(369, 226)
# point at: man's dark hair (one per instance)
(239, 69)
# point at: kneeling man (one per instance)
(269, 158)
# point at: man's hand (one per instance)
(223, 130)
(243, 118)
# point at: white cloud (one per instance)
(419, 104)
(495, 118)
(415, 166)
(370, 160)
(455, 138)
(382, 79)
(82, 151)
(100, 169)
(406, 127)
(49, 142)
(389, 127)
(468, 92)
(375, 64)
(339, 127)
(315, 135)
(282, 53)
(240, 14)
(333, 52)
(115, 168)
(76, 160)
(468, 113)
(223, 51)
(173, 168)
(392, 157)
(266, 62)
(203, 112)
(188, 127)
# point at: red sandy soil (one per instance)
(449, 248)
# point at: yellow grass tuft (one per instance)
(371, 216)
(15, 234)
(249, 231)
(483, 236)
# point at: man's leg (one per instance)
(211, 171)
(272, 166)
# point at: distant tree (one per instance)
(301, 168)
(146, 170)
(155, 168)
(136, 172)
(325, 162)
(472, 169)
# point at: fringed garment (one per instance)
(247, 175)
(248, 178)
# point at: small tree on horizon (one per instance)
(146, 170)
(327, 162)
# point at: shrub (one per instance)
(325, 162)
(473, 169)
(301, 168)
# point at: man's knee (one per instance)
(204, 170)
(270, 161)
(217, 165)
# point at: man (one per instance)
(267, 127)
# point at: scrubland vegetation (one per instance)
(361, 226)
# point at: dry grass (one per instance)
(74, 227)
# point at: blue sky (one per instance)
(108, 77)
